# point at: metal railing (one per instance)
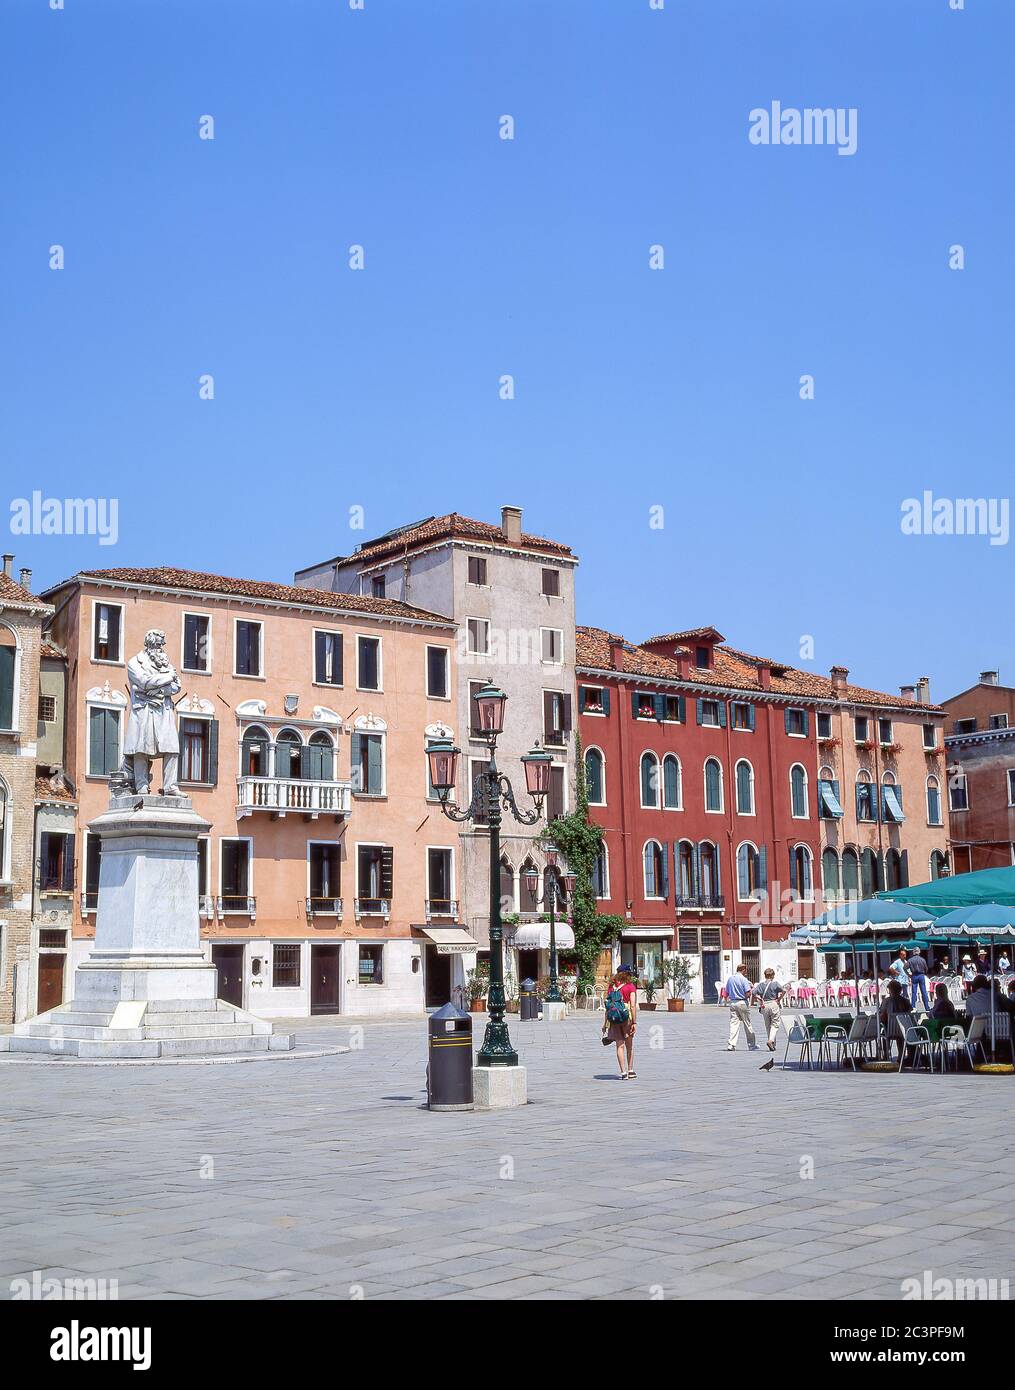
(373, 907)
(282, 794)
(324, 907)
(708, 902)
(239, 904)
(441, 907)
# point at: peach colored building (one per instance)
(302, 718)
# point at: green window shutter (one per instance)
(763, 869)
(355, 755)
(213, 751)
(696, 869)
(807, 721)
(793, 882)
(96, 742)
(68, 865)
(699, 703)
(375, 766)
(7, 664)
(660, 706)
(634, 704)
(750, 717)
(786, 717)
(581, 699)
(681, 709)
(722, 714)
(606, 702)
(904, 869)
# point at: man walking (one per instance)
(738, 990)
(918, 971)
(899, 968)
(768, 993)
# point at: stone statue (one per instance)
(151, 729)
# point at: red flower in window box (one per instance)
(891, 749)
(830, 742)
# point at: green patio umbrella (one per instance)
(981, 922)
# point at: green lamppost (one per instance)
(491, 790)
(551, 880)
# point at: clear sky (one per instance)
(676, 388)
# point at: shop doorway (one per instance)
(51, 970)
(437, 981)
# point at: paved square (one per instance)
(330, 1180)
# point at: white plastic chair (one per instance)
(951, 1042)
(718, 991)
(797, 1035)
(975, 1036)
(919, 1039)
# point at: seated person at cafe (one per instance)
(894, 1004)
(978, 999)
(943, 1006)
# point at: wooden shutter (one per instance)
(8, 656)
(681, 709)
(751, 714)
(763, 868)
(695, 869)
(67, 876)
(786, 716)
(634, 704)
(700, 703)
(582, 692)
(806, 718)
(111, 751)
(548, 729)
(567, 713)
(664, 859)
(721, 704)
(794, 885)
(387, 871)
(375, 765)
(904, 869)
(659, 701)
(355, 763)
(606, 701)
(212, 771)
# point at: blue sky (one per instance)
(634, 388)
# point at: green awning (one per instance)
(959, 890)
(846, 944)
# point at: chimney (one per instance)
(683, 659)
(988, 678)
(764, 675)
(511, 524)
(923, 690)
(25, 579)
(616, 654)
(8, 562)
(908, 692)
(839, 675)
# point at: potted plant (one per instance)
(648, 984)
(510, 994)
(678, 975)
(476, 984)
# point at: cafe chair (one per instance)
(974, 1039)
(833, 1036)
(919, 1040)
(951, 1042)
(797, 1035)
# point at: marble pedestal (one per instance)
(146, 990)
(553, 1012)
(498, 1088)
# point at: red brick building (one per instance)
(719, 780)
(980, 749)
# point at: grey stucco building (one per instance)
(512, 597)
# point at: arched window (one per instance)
(601, 873)
(938, 864)
(708, 857)
(649, 780)
(713, 785)
(850, 874)
(750, 872)
(801, 877)
(671, 782)
(870, 873)
(595, 777)
(287, 753)
(254, 752)
(933, 801)
(507, 887)
(866, 805)
(656, 885)
(320, 758)
(891, 799)
(798, 791)
(830, 874)
(8, 678)
(686, 875)
(528, 880)
(745, 788)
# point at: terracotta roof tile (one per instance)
(11, 592)
(733, 669)
(687, 635)
(453, 526)
(53, 789)
(50, 649)
(196, 581)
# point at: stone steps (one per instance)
(201, 1030)
(180, 1018)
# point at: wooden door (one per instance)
(324, 979)
(711, 974)
(228, 960)
(51, 967)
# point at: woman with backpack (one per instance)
(621, 1020)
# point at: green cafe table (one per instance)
(816, 1026)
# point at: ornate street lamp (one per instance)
(491, 790)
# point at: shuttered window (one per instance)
(327, 658)
(367, 760)
(103, 741)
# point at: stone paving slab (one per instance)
(332, 1177)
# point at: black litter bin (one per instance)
(529, 1000)
(449, 1061)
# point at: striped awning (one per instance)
(535, 936)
